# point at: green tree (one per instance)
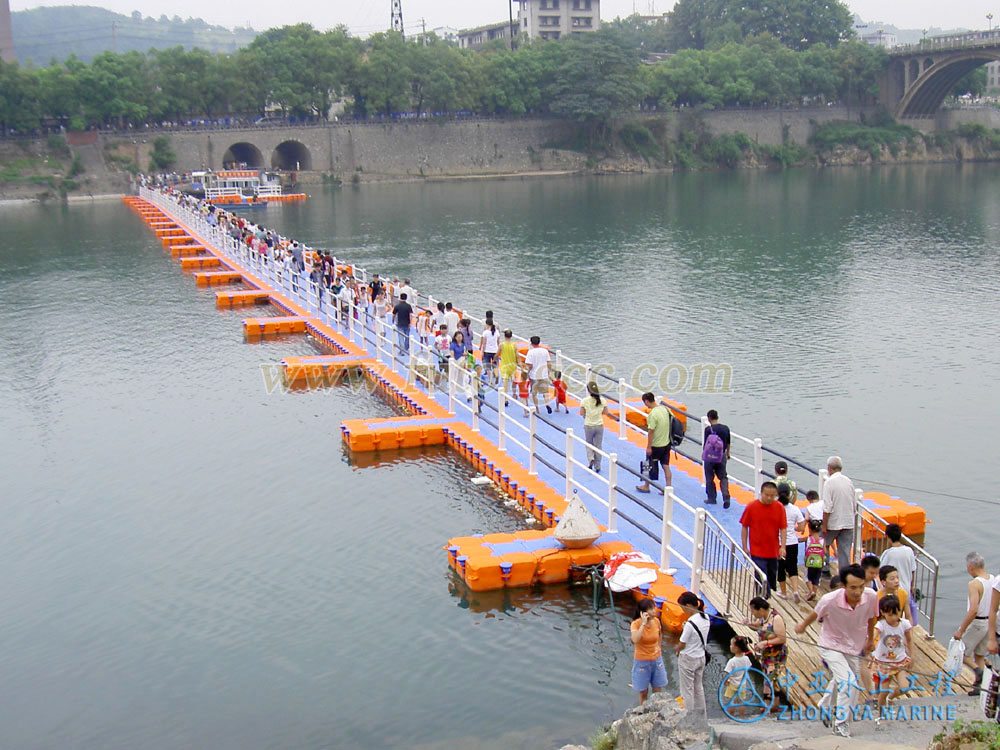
(798, 24)
(383, 83)
(596, 83)
(162, 157)
(971, 84)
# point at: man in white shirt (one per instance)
(838, 511)
(901, 557)
(411, 295)
(451, 320)
(537, 359)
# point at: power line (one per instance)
(928, 492)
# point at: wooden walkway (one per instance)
(804, 659)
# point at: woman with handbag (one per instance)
(692, 656)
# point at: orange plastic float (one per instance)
(321, 370)
(393, 433)
(257, 327)
(217, 278)
(188, 251)
(242, 298)
(199, 262)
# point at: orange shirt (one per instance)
(904, 602)
(648, 646)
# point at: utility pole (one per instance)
(510, 9)
(423, 35)
(396, 17)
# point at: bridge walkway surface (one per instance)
(669, 524)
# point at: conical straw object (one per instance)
(577, 528)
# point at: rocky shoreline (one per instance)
(660, 724)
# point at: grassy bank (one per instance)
(41, 169)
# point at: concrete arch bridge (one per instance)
(920, 76)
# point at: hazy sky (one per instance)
(366, 16)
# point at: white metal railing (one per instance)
(359, 325)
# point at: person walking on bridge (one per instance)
(764, 522)
(845, 637)
(838, 511)
(657, 441)
(973, 630)
(714, 456)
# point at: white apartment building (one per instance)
(553, 19)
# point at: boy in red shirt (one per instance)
(560, 389)
(764, 524)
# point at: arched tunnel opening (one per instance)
(242, 155)
(937, 82)
(291, 156)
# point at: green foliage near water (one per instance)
(604, 739)
(979, 734)
(871, 138)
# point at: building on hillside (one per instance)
(553, 19)
(447, 33)
(880, 38)
(6, 33)
(483, 35)
(993, 78)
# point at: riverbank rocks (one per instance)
(659, 724)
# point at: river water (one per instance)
(193, 562)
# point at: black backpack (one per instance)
(676, 430)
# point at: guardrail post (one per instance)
(411, 373)
(758, 464)
(475, 415)
(822, 476)
(587, 376)
(532, 442)
(569, 462)
(451, 386)
(858, 525)
(502, 417)
(612, 492)
(559, 364)
(668, 515)
(698, 553)
(622, 417)
(933, 599)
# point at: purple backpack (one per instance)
(714, 450)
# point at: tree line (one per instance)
(590, 78)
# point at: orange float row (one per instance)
(242, 298)
(257, 327)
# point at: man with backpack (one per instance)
(714, 454)
(657, 442)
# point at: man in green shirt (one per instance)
(657, 441)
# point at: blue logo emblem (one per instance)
(740, 698)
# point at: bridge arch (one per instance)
(243, 153)
(291, 156)
(929, 90)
